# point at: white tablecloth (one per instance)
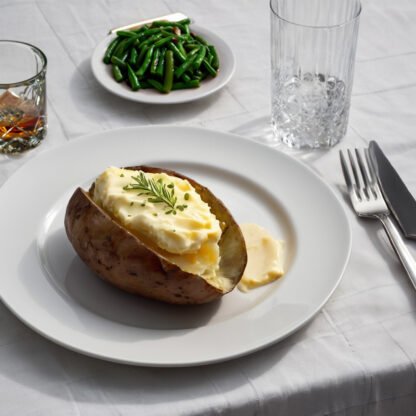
(358, 356)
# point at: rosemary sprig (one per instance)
(157, 191)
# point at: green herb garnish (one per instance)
(157, 191)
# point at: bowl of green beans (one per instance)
(163, 63)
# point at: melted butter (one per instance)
(188, 239)
(265, 257)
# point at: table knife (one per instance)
(401, 202)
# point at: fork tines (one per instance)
(362, 178)
(361, 181)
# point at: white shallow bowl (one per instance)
(50, 289)
(103, 74)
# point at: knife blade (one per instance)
(401, 202)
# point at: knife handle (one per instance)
(400, 248)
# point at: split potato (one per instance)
(137, 265)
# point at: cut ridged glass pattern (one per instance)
(313, 45)
(22, 97)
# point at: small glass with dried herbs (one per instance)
(22, 96)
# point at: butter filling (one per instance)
(187, 235)
(264, 257)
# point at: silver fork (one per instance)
(367, 201)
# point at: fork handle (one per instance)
(399, 246)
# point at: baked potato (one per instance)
(137, 265)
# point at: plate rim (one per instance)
(302, 322)
(96, 59)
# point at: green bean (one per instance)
(119, 50)
(141, 29)
(133, 81)
(185, 85)
(187, 31)
(199, 58)
(163, 41)
(149, 32)
(117, 61)
(186, 21)
(155, 61)
(193, 52)
(209, 58)
(110, 49)
(146, 62)
(185, 76)
(155, 84)
(178, 54)
(117, 74)
(199, 39)
(133, 56)
(158, 23)
(209, 68)
(160, 70)
(169, 69)
(185, 66)
(215, 62)
(186, 37)
(142, 54)
(167, 31)
(136, 43)
(189, 46)
(150, 40)
(181, 48)
(124, 46)
(126, 33)
(181, 27)
(134, 40)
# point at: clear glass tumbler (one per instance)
(22, 96)
(313, 45)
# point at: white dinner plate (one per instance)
(48, 287)
(226, 58)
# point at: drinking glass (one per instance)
(22, 96)
(313, 45)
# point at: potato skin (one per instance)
(122, 259)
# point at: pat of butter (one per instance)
(264, 257)
(189, 238)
